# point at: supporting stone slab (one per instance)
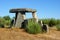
(19, 20)
(35, 16)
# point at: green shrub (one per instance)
(7, 17)
(58, 27)
(1, 25)
(45, 21)
(2, 22)
(58, 21)
(52, 22)
(33, 28)
(7, 22)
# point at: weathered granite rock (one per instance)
(24, 24)
(22, 10)
(45, 28)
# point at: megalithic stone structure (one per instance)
(20, 15)
(35, 16)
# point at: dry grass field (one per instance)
(20, 34)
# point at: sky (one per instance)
(45, 8)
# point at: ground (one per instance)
(20, 34)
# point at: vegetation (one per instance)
(51, 22)
(33, 28)
(2, 22)
(58, 21)
(5, 21)
(58, 27)
(45, 21)
(6, 18)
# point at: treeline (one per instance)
(32, 26)
(50, 21)
(5, 21)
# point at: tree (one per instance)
(7, 17)
(2, 22)
(52, 22)
(7, 20)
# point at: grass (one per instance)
(33, 27)
(58, 27)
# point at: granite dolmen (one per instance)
(20, 15)
(20, 18)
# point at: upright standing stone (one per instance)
(23, 16)
(35, 16)
(41, 23)
(19, 20)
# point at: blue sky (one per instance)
(45, 8)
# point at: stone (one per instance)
(20, 15)
(21, 9)
(41, 23)
(23, 16)
(12, 23)
(45, 28)
(19, 20)
(35, 16)
(24, 24)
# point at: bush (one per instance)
(1, 25)
(52, 22)
(7, 17)
(33, 28)
(45, 21)
(58, 27)
(2, 22)
(7, 22)
(58, 21)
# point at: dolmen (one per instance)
(20, 16)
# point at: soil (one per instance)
(20, 34)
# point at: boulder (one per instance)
(24, 24)
(45, 28)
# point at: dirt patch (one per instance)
(20, 34)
